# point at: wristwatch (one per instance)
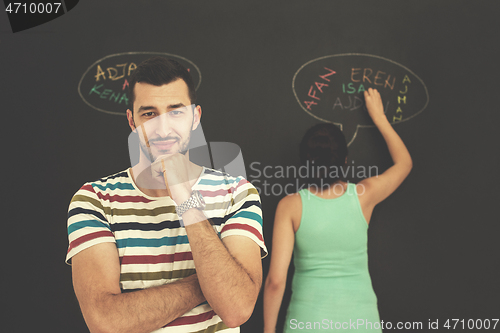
(195, 201)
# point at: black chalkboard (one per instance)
(267, 71)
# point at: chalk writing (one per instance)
(331, 89)
(319, 87)
(113, 72)
(104, 85)
(380, 78)
(401, 100)
(117, 97)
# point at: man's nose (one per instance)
(162, 128)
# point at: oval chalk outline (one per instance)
(129, 53)
(365, 55)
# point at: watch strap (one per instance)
(194, 201)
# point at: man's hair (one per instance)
(158, 71)
(322, 148)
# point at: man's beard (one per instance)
(151, 157)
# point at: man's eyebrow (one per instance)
(169, 107)
(146, 108)
(175, 106)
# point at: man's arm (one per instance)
(96, 278)
(229, 272)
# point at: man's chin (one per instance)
(163, 154)
(167, 153)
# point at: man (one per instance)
(166, 245)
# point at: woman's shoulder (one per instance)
(290, 208)
(290, 202)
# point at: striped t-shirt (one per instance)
(152, 246)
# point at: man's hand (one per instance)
(175, 171)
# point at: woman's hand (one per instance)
(379, 187)
(374, 105)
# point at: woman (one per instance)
(325, 226)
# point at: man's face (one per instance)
(164, 118)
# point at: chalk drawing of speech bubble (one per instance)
(331, 89)
(104, 85)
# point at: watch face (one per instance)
(200, 198)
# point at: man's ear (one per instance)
(196, 117)
(130, 118)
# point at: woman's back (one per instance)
(331, 283)
(331, 287)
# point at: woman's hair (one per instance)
(323, 150)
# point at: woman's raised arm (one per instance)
(377, 188)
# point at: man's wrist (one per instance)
(180, 193)
(195, 200)
(193, 216)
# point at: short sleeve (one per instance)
(244, 216)
(87, 225)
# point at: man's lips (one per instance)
(164, 145)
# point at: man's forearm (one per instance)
(144, 310)
(227, 286)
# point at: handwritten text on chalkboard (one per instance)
(331, 90)
(104, 84)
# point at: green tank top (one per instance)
(331, 284)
